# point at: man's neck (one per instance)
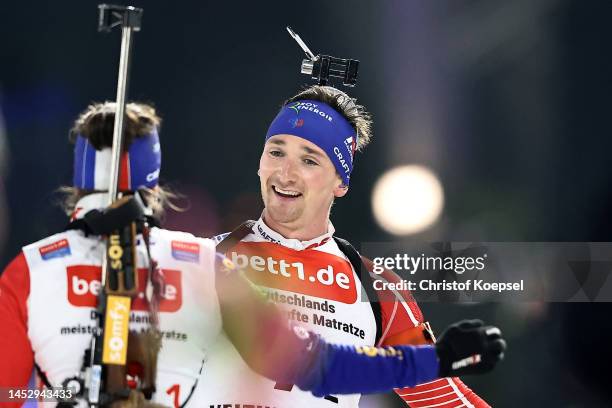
(295, 231)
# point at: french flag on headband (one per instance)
(139, 166)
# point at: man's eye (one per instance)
(311, 162)
(276, 153)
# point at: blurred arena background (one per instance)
(505, 103)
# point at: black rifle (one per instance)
(119, 272)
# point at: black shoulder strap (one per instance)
(234, 237)
(365, 279)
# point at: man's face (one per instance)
(298, 182)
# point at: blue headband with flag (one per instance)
(322, 125)
(139, 166)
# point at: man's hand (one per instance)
(469, 347)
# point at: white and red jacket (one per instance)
(49, 291)
(315, 284)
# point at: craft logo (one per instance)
(468, 361)
(84, 287)
(186, 251)
(341, 160)
(265, 235)
(309, 272)
(55, 250)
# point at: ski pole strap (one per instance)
(367, 283)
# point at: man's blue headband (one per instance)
(139, 166)
(320, 124)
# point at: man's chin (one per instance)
(281, 215)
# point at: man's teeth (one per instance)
(286, 192)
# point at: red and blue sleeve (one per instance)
(403, 323)
(16, 352)
(342, 369)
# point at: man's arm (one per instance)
(294, 356)
(403, 323)
(442, 392)
(16, 352)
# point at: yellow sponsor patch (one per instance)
(116, 330)
(367, 350)
(379, 351)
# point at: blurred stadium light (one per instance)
(407, 199)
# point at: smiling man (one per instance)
(318, 279)
(297, 206)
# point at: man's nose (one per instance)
(288, 171)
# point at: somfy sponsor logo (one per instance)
(116, 330)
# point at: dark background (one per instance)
(506, 101)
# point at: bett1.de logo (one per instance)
(84, 286)
(309, 272)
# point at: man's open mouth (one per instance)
(286, 193)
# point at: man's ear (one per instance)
(340, 190)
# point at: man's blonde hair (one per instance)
(357, 115)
